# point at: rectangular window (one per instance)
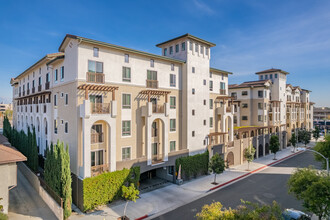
(244, 118)
(211, 122)
(271, 76)
(193, 112)
(275, 75)
(66, 127)
(206, 51)
(126, 128)
(260, 105)
(172, 102)
(211, 103)
(171, 50)
(172, 146)
(211, 85)
(152, 63)
(95, 67)
(183, 46)
(126, 101)
(193, 133)
(55, 126)
(172, 80)
(204, 101)
(193, 91)
(202, 50)
(96, 52)
(266, 76)
(154, 149)
(62, 73)
(204, 122)
(261, 77)
(56, 75)
(177, 48)
(66, 99)
(193, 69)
(126, 58)
(97, 157)
(244, 93)
(165, 51)
(126, 74)
(210, 74)
(55, 100)
(172, 124)
(204, 82)
(260, 118)
(244, 105)
(40, 81)
(47, 77)
(126, 153)
(196, 48)
(172, 66)
(260, 94)
(32, 84)
(151, 75)
(170, 170)
(191, 46)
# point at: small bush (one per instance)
(192, 166)
(3, 216)
(107, 187)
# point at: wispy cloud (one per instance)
(202, 6)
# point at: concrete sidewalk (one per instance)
(162, 200)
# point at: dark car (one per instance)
(290, 214)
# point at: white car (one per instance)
(292, 214)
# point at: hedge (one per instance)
(192, 166)
(107, 187)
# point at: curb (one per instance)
(142, 217)
(254, 171)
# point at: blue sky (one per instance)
(250, 35)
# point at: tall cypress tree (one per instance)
(34, 151)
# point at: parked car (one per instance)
(292, 214)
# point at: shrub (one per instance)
(107, 187)
(194, 165)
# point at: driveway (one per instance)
(25, 203)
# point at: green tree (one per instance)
(324, 149)
(313, 187)
(249, 154)
(216, 165)
(293, 141)
(274, 145)
(246, 211)
(316, 133)
(306, 137)
(129, 194)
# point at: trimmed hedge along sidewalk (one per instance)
(107, 187)
(193, 166)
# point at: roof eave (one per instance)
(210, 44)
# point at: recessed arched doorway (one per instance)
(260, 151)
(267, 149)
(230, 158)
(157, 136)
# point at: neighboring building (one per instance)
(9, 156)
(4, 107)
(322, 118)
(117, 107)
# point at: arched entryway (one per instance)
(267, 149)
(260, 151)
(100, 146)
(230, 158)
(157, 139)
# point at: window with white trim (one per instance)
(126, 74)
(126, 101)
(172, 124)
(172, 146)
(126, 128)
(172, 80)
(126, 153)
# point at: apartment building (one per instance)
(118, 107)
(270, 106)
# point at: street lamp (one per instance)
(326, 159)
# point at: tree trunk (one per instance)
(215, 177)
(125, 208)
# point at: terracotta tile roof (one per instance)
(9, 154)
(272, 70)
(258, 83)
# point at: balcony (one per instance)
(158, 109)
(152, 84)
(47, 85)
(100, 108)
(99, 169)
(95, 77)
(28, 92)
(97, 138)
(33, 90)
(39, 88)
(222, 92)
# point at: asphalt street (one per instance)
(263, 187)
